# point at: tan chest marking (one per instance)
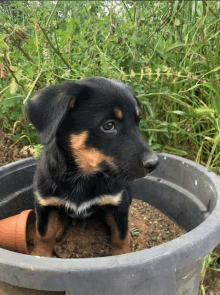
(101, 201)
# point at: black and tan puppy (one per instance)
(92, 150)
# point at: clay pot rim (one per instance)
(21, 233)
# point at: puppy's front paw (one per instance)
(121, 250)
(62, 230)
(42, 250)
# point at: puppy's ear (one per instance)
(48, 107)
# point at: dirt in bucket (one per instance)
(88, 238)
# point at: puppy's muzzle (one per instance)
(150, 163)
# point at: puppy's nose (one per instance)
(151, 163)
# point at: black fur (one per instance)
(58, 172)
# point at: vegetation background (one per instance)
(167, 51)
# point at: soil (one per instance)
(154, 228)
(90, 238)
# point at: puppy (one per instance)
(92, 151)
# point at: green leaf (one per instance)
(176, 3)
(15, 137)
(13, 86)
(181, 113)
(176, 151)
(211, 88)
(2, 36)
(197, 48)
(156, 146)
(149, 107)
(174, 46)
(2, 43)
(205, 111)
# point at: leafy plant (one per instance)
(135, 231)
(167, 51)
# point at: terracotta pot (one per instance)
(16, 231)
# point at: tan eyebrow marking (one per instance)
(118, 113)
(137, 113)
(71, 105)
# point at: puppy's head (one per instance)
(97, 121)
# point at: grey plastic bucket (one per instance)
(187, 192)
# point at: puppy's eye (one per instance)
(109, 126)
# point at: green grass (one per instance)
(168, 52)
(210, 262)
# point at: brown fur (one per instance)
(88, 159)
(118, 113)
(71, 105)
(44, 244)
(119, 246)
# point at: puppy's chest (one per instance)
(87, 208)
(83, 210)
